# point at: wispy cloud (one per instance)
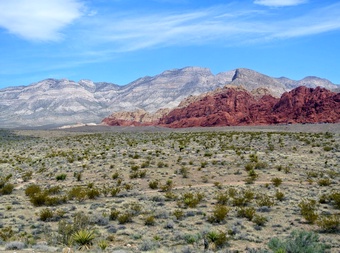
(220, 25)
(279, 3)
(38, 20)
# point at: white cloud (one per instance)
(279, 3)
(40, 20)
(221, 25)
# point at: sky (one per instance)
(119, 41)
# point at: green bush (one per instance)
(114, 214)
(259, 220)
(219, 239)
(264, 200)
(124, 218)
(276, 181)
(335, 198)
(279, 195)
(220, 212)
(32, 189)
(115, 191)
(153, 184)
(222, 198)
(78, 193)
(46, 214)
(61, 177)
(308, 210)
(150, 220)
(192, 200)
(330, 223)
(298, 242)
(6, 233)
(246, 212)
(178, 213)
(324, 182)
(7, 189)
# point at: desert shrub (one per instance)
(53, 190)
(148, 245)
(222, 198)
(220, 212)
(299, 241)
(78, 193)
(32, 189)
(259, 220)
(15, 245)
(249, 166)
(168, 186)
(276, 181)
(6, 189)
(308, 210)
(260, 165)
(115, 175)
(55, 200)
(38, 199)
(264, 200)
(149, 220)
(279, 195)
(92, 193)
(246, 212)
(77, 175)
(219, 239)
(27, 176)
(324, 182)
(45, 214)
(60, 177)
(103, 244)
(329, 223)
(114, 214)
(178, 213)
(335, 198)
(124, 218)
(239, 201)
(115, 191)
(192, 200)
(153, 184)
(327, 148)
(6, 233)
(84, 238)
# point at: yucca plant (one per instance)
(83, 238)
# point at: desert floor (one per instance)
(168, 190)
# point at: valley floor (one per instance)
(231, 189)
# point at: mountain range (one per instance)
(60, 102)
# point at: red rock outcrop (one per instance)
(235, 106)
(229, 107)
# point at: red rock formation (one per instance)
(308, 105)
(233, 106)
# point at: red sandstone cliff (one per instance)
(233, 106)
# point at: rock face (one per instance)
(61, 102)
(232, 107)
(235, 106)
(135, 118)
(308, 105)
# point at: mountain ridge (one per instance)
(63, 101)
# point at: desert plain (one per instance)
(150, 189)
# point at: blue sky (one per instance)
(121, 40)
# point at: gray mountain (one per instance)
(60, 102)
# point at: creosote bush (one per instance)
(308, 210)
(220, 212)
